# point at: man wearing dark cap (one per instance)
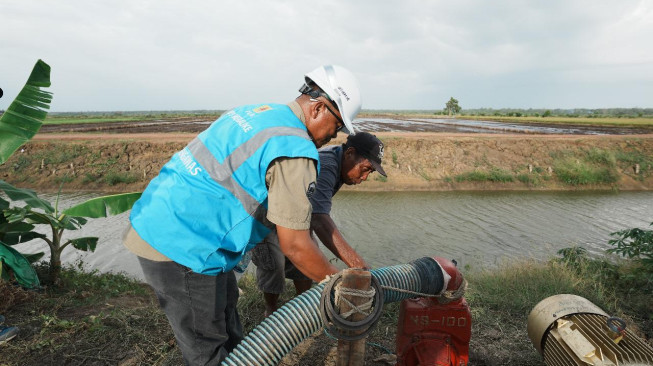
(349, 163)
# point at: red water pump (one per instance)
(433, 334)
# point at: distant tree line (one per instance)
(574, 112)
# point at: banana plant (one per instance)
(19, 123)
(38, 211)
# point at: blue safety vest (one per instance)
(208, 205)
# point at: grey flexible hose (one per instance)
(287, 327)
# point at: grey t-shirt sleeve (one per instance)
(328, 180)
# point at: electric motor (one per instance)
(570, 330)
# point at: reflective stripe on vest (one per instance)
(223, 173)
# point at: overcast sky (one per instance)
(409, 54)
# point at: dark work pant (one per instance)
(200, 308)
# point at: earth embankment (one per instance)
(413, 161)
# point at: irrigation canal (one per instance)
(478, 229)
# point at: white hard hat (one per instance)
(341, 87)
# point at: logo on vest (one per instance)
(310, 190)
(262, 108)
(189, 163)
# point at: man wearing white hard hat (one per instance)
(341, 90)
(253, 170)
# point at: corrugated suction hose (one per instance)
(287, 327)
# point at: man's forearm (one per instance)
(330, 236)
(304, 253)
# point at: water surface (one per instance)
(479, 229)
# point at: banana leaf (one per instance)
(23, 271)
(26, 195)
(33, 258)
(104, 206)
(25, 115)
(12, 233)
(21, 237)
(86, 243)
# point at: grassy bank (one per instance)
(108, 319)
(413, 162)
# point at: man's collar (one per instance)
(297, 110)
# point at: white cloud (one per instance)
(140, 55)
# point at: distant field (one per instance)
(603, 121)
(598, 121)
(103, 117)
(86, 119)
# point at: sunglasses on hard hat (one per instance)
(314, 94)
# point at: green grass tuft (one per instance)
(528, 179)
(494, 175)
(575, 172)
(113, 178)
(603, 157)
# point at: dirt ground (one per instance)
(119, 162)
(130, 330)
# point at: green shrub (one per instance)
(581, 173)
(473, 176)
(113, 178)
(21, 163)
(499, 175)
(598, 156)
(636, 244)
(105, 284)
(527, 179)
(635, 157)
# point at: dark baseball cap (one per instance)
(369, 147)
